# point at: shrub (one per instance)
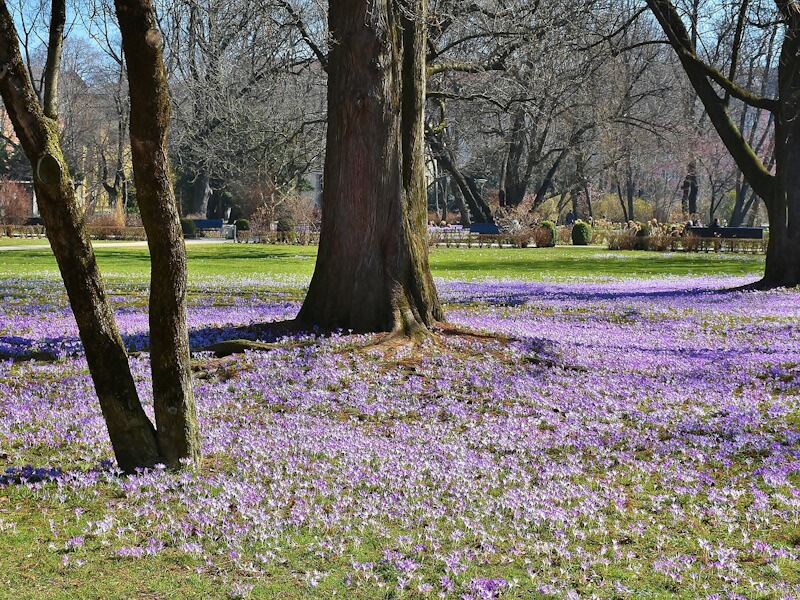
(643, 238)
(286, 230)
(522, 237)
(242, 225)
(581, 233)
(621, 241)
(661, 242)
(545, 234)
(188, 227)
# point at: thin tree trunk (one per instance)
(446, 185)
(630, 193)
(690, 189)
(201, 192)
(131, 432)
(575, 196)
(479, 210)
(588, 199)
(514, 185)
(622, 202)
(372, 273)
(173, 400)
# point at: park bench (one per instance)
(209, 226)
(487, 234)
(484, 229)
(732, 239)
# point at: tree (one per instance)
(175, 412)
(780, 191)
(135, 441)
(372, 270)
(132, 435)
(247, 98)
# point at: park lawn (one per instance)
(296, 263)
(629, 438)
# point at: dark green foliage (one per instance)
(581, 234)
(188, 227)
(242, 225)
(286, 223)
(546, 234)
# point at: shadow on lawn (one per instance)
(511, 295)
(30, 474)
(501, 294)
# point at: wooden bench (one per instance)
(732, 239)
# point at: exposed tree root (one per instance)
(391, 346)
(229, 347)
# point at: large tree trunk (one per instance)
(176, 415)
(201, 192)
(132, 435)
(372, 270)
(463, 209)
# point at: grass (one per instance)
(568, 262)
(28, 241)
(531, 264)
(37, 561)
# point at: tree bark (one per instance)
(176, 415)
(372, 270)
(201, 192)
(131, 432)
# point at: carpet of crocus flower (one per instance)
(606, 439)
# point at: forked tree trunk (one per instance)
(372, 270)
(176, 416)
(132, 435)
(479, 210)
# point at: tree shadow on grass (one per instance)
(219, 339)
(519, 294)
(29, 474)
